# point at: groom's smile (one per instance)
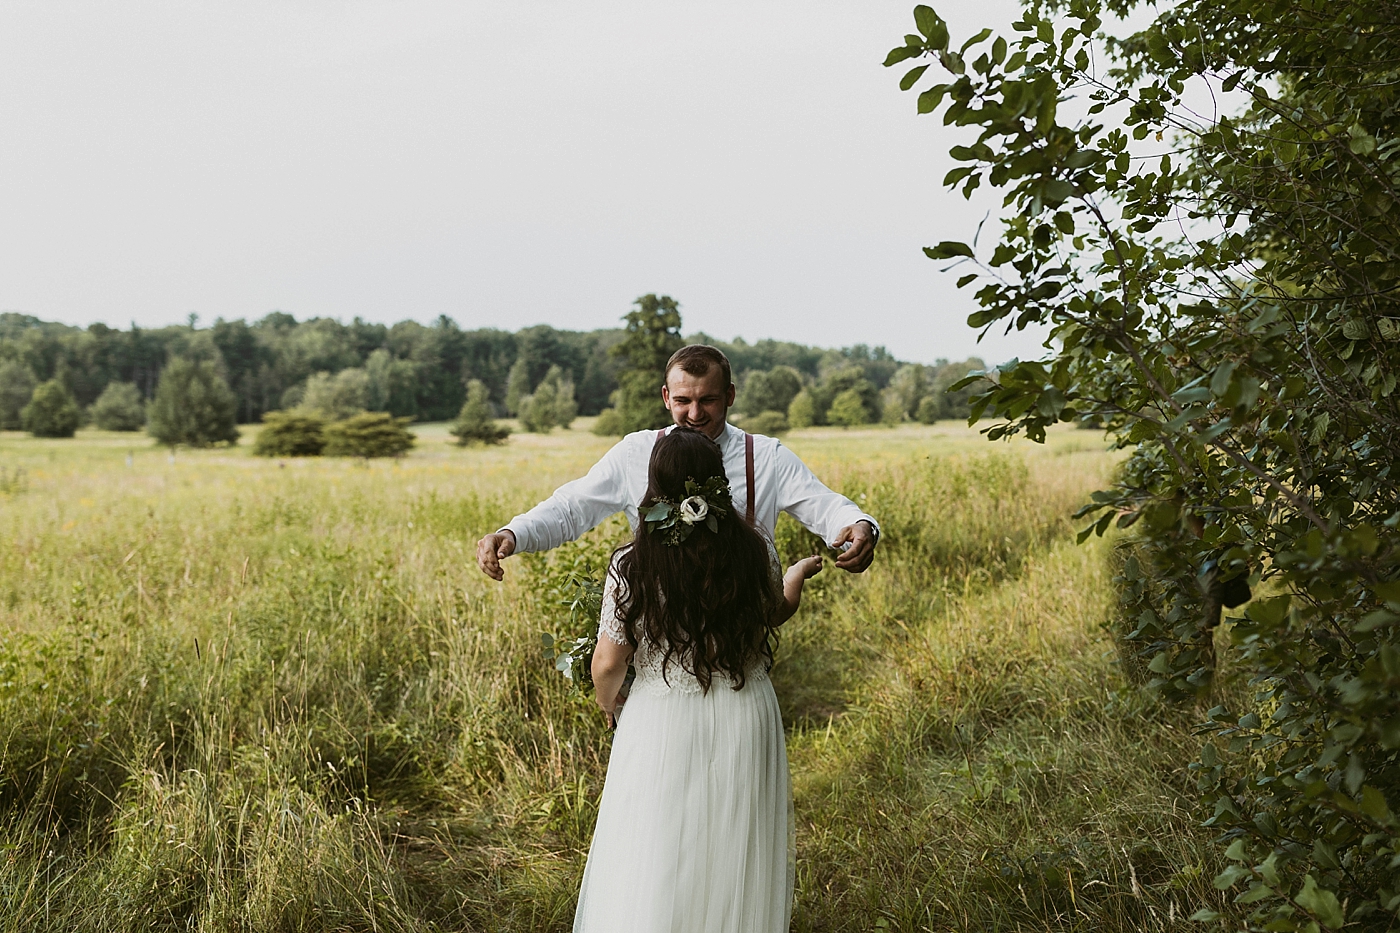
(698, 401)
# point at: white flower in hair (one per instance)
(694, 509)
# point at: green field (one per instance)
(244, 694)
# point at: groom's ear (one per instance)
(729, 397)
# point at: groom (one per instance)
(765, 478)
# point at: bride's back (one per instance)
(695, 589)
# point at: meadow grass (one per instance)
(249, 694)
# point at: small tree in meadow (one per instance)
(51, 411)
(802, 413)
(17, 384)
(517, 385)
(848, 409)
(369, 434)
(119, 408)
(290, 434)
(565, 405)
(552, 403)
(476, 423)
(653, 333)
(193, 406)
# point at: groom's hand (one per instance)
(493, 549)
(858, 556)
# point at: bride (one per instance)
(694, 831)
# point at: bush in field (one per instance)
(476, 423)
(193, 406)
(119, 408)
(51, 411)
(609, 423)
(848, 409)
(17, 384)
(802, 413)
(1227, 310)
(930, 409)
(290, 434)
(771, 423)
(369, 434)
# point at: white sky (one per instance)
(503, 163)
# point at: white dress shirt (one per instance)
(782, 483)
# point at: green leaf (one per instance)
(974, 40)
(948, 249)
(901, 53)
(1220, 381)
(1320, 902)
(931, 25)
(1373, 804)
(911, 77)
(930, 99)
(1360, 142)
(1230, 877)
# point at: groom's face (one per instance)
(698, 402)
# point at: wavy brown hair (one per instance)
(710, 600)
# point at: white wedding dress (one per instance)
(694, 831)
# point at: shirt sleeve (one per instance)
(807, 499)
(609, 624)
(576, 506)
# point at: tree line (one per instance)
(63, 375)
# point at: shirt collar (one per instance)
(731, 435)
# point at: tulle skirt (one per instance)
(694, 831)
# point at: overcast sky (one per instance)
(502, 163)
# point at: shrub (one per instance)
(193, 406)
(476, 423)
(119, 408)
(768, 422)
(802, 413)
(290, 434)
(17, 384)
(51, 411)
(609, 423)
(847, 409)
(930, 409)
(369, 434)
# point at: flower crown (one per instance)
(704, 503)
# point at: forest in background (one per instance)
(421, 371)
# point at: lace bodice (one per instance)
(647, 660)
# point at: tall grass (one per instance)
(241, 695)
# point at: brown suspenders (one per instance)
(748, 470)
(748, 477)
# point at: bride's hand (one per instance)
(809, 567)
(610, 712)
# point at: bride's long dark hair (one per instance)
(709, 600)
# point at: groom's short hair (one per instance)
(698, 359)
